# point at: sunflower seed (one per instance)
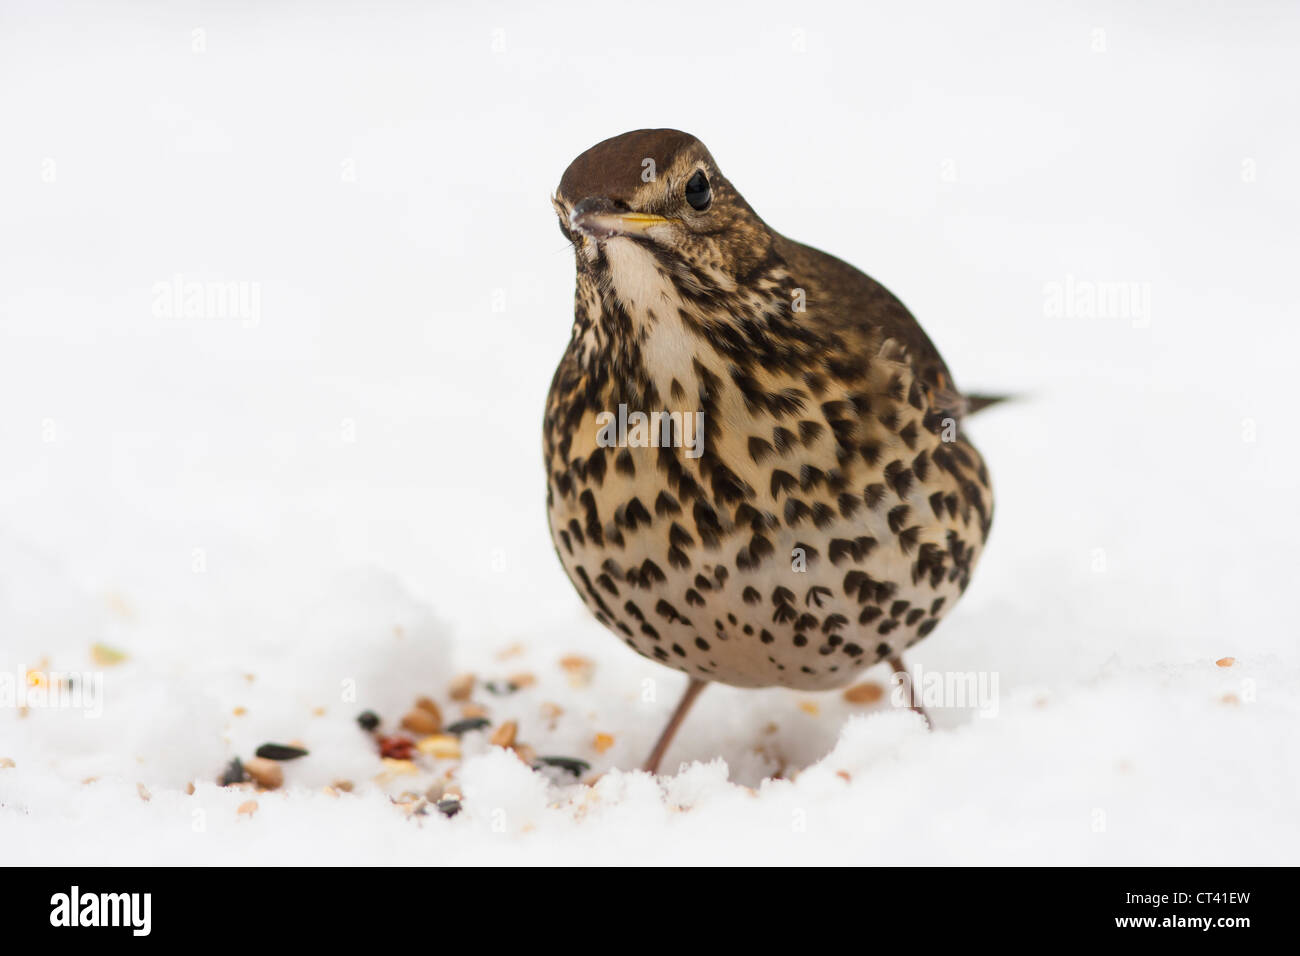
(572, 764)
(465, 726)
(280, 752)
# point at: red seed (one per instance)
(396, 747)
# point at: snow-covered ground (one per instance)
(328, 496)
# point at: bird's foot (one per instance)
(914, 705)
(679, 714)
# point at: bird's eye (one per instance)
(698, 193)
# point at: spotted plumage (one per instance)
(833, 509)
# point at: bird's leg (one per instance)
(896, 662)
(683, 706)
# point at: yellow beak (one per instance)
(603, 223)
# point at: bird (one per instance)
(757, 470)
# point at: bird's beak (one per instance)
(597, 217)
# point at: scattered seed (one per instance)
(602, 742)
(7, 763)
(504, 735)
(810, 707)
(473, 710)
(865, 693)
(189, 789)
(523, 680)
(247, 808)
(144, 793)
(343, 786)
(419, 721)
(579, 669)
(462, 687)
(844, 775)
(416, 806)
(448, 808)
(1230, 699)
(106, 656)
(1226, 661)
(266, 773)
(239, 711)
(318, 711)
(427, 704)
(395, 747)
(465, 726)
(572, 764)
(440, 746)
(525, 753)
(397, 767)
(500, 687)
(280, 752)
(233, 774)
(368, 720)
(551, 711)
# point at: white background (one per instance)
(365, 455)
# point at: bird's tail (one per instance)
(976, 403)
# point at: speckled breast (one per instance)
(806, 542)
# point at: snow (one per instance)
(332, 500)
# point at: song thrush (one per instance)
(830, 509)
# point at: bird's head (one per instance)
(655, 200)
